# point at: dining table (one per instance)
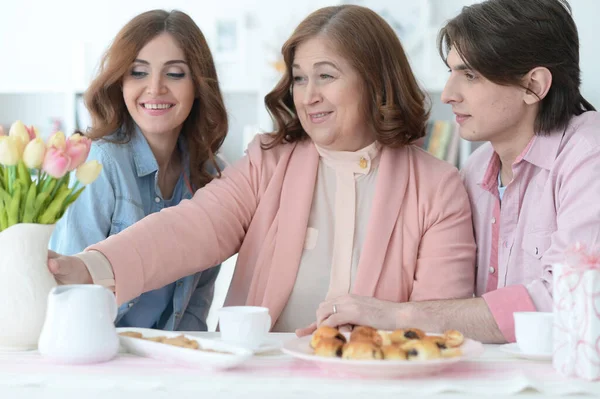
(277, 375)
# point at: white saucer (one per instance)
(513, 349)
(17, 349)
(264, 348)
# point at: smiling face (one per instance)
(158, 89)
(328, 97)
(485, 111)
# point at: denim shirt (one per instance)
(125, 192)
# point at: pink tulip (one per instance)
(33, 132)
(56, 162)
(78, 148)
(2, 131)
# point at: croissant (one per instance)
(402, 336)
(329, 347)
(454, 338)
(325, 332)
(393, 352)
(362, 350)
(439, 341)
(421, 350)
(368, 334)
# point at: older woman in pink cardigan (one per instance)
(334, 209)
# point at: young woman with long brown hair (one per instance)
(158, 120)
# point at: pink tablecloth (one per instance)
(505, 376)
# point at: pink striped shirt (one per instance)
(552, 202)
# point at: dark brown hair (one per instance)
(206, 126)
(394, 104)
(503, 40)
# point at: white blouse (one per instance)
(335, 234)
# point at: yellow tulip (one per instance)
(9, 150)
(75, 137)
(20, 146)
(88, 172)
(58, 141)
(33, 156)
(19, 130)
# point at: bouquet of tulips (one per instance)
(35, 176)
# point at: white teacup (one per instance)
(246, 326)
(533, 331)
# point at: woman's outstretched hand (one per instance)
(68, 269)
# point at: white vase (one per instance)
(25, 283)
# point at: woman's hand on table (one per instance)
(301, 332)
(68, 269)
(357, 311)
(353, 310)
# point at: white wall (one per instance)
(585, 13)
(52, 46)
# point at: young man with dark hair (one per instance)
(534, 187)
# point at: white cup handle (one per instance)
(268, 323)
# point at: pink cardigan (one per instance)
(419, 243)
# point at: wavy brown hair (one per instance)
(505, 39)
(206, 126)
(394, 104)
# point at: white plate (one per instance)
(301, 349)
(192, 357)
(514, 350)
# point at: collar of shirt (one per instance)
(143, 157)
(541, 151)
(361, 161)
